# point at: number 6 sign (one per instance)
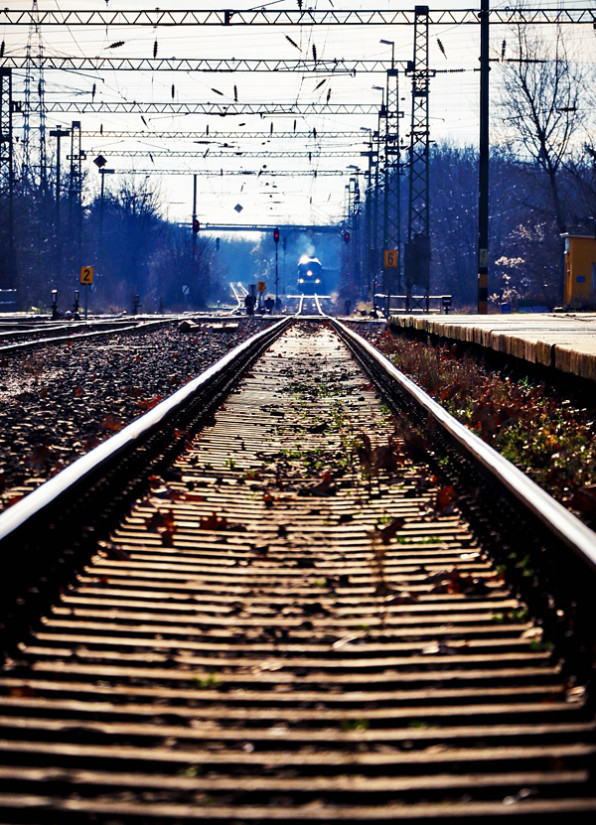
(390, 259)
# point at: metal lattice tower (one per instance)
(391, 201)
(7, 250)
(392, 160)
(26, 152)
(417, 248)
(43, 153)
(34, 59)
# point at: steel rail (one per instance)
(293, 666)
(546, 553)
(558, 520)
(76, 336)
(81, 469)
(41, 533)
(267, 17)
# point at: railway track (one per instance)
(60, 333)
(284, 613)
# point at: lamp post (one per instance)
(392, 44)
(58, 133)
(382, 90)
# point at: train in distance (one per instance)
(311, 278)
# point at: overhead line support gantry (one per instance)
(230, 153)
(270, 16)
(212, 138)
(221, 109)
(192, 64)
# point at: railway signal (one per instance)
(276, 240)
(195, 226)
(346, 236)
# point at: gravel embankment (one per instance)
(58, 402)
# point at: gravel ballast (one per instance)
(58, 402)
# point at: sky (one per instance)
(265, 198)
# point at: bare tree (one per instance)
(541, 106)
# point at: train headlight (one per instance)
(317, 281)
(309, 273)
(300, 280)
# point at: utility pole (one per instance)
(483, 182)
(58, 133)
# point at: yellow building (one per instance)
(580, 269)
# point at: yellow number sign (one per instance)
(87, 274)
(262, 286)
(391, 259)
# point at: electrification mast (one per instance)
(391, 198)
(7, 245)
(417, 248)
(75, 189)
(33, 58)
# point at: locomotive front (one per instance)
(310, 275)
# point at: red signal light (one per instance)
(346, 237)
(195, 226)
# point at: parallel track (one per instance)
(255, 640)
(17, 340)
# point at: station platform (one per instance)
(563, 341)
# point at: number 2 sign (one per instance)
(87, 275)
